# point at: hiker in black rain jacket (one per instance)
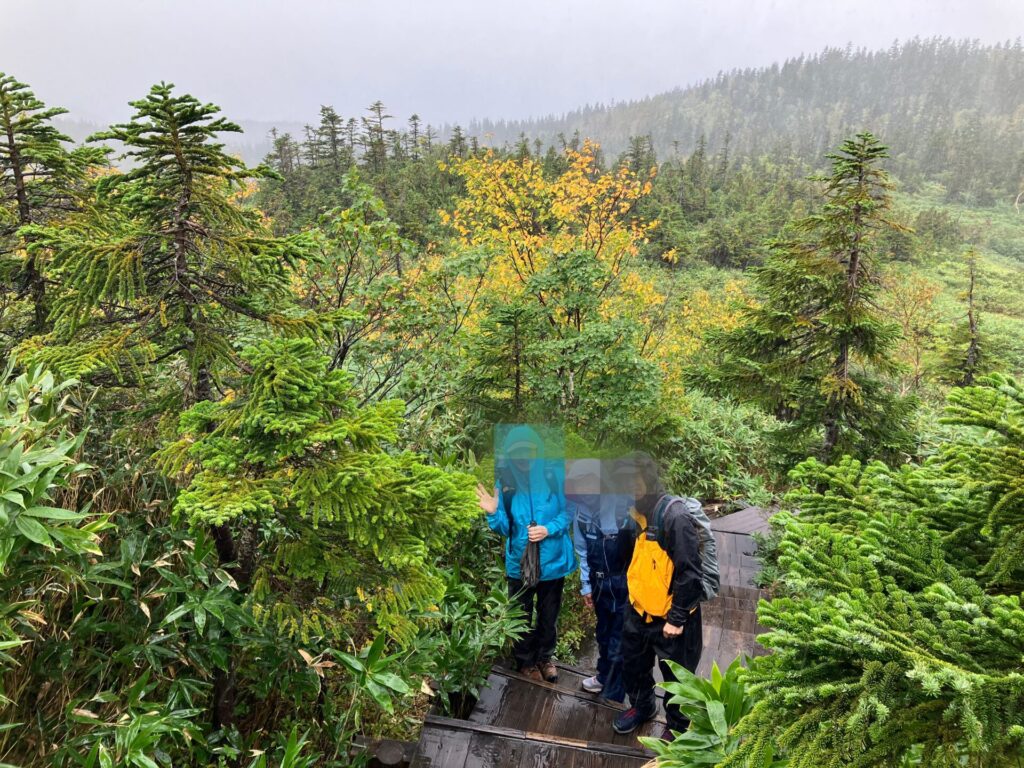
(666, 587)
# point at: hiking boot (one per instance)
(532, 673)
(631, 719)
(548, 671)
(592, 685)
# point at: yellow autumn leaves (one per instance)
(525, 219)
(522, 220)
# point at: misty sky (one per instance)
(448, 60)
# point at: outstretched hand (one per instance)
(488, 503)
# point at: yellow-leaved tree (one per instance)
(567, 314)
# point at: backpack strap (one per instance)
(658, 524)
(554, 487)
(508, 490)
(656, 520)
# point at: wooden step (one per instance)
(447, 743)
(570, 678)
(749, 520)
(512, 701)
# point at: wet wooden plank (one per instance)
(497, 747)
(491, 700)
(441, 748)
(730, 620)
(559, 713)
(489, 749)
(545, 709)
(540, 755)
(569, 678)
(749, 520)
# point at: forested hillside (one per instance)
(243, 408)
(949, 110)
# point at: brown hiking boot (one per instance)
(532, 673)
(548, 671)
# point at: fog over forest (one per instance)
(411, 383)
(449, 62)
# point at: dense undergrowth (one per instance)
(245, 408)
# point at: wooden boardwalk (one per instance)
(458, 744)
(520, 723)
(730, 620)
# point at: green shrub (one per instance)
(722, 451)
(714, 708)
(896, 628)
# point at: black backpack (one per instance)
(706, 543)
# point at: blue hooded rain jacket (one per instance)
(539, 497)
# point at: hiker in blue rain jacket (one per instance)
(604, 547)
(529, 506)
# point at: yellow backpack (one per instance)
(650, 575)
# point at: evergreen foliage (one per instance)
(815, 348)
(722, 211)
(164, 262)
(341, 519)
(891, 638)
(968, 350)
(948, 108)
(406, 169)
(40, 180)
(996, 468)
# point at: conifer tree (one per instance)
(966, 355)
(503, 366)
(973, 353)
(814, 350)
(166, 266)
(375, 137)
(995, 467)
(330, 140)
(897, 622)
(165, 262)
(414, 136)
(327, 514)
(39, 182)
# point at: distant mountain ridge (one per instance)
(950, 111)
(943, 107)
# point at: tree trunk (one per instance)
(973, 347)
(832, 419)
(832, 431)
(225, 685)
(31, 278)
(517, 366)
